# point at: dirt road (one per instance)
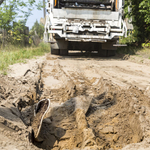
(96, 103)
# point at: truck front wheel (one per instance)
(107, 49)
(59, 47)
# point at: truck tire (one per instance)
(55, 51)
(107, 49)
(110, 53)
(63, 52)
(59, 47)
(106, 53)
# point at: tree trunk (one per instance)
(1, 1)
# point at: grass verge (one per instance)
(11, 55)
(133, 50)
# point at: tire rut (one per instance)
(87, 112)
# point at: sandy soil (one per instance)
(96, 103)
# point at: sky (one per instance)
(36, 15)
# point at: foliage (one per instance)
(146, 45)
(145, 9)
(11, 9)
(129, 39)
(19, 34)
(140, 13)
(7, 15)
(12, 54)
(37, 29)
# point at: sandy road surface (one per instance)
(96, 103)
(121, 72)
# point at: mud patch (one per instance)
(87, 112)
(113, 119)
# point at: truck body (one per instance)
(90, 25)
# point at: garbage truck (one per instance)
(89, 25)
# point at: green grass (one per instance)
(11, 55)
(133, 50)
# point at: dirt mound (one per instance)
(17, 97)
(115, 118)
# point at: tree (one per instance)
(144, 9)
(7, 15)
(10, 10)
(1, 1)
(140, 13)
(37, 29)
